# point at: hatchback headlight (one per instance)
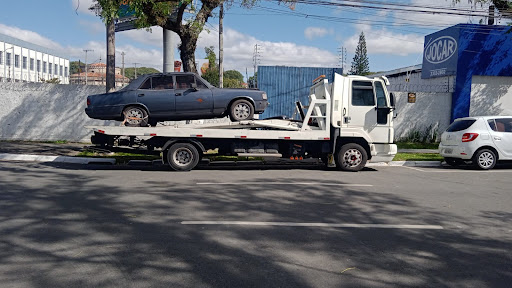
(264, 96)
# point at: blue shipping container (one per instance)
(286, 85)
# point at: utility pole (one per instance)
(256, 60)
(86, 50)
(135, 69)
(221, 47)
(122, 56)
(342, 57)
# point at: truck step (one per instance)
(260, 155)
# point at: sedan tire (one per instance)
(135, 116)
(241, 110)
(485, 159)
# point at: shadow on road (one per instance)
(68, 228)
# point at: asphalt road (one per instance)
(118, 226)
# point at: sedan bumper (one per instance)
(260, 106)
(105, 112)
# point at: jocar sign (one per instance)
(440, 54)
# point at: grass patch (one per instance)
(418, 157)
(121, 157)
(416, 145)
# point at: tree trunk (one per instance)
(111, 57)
(187, 52)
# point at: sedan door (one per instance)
(157, 93)
(193, 98)
(501, 133)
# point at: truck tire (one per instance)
(241, 110)
(351, 157)
(182, 156)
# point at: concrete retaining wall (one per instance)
(42, 112)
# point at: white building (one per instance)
(21, 61)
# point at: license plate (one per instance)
(448, 151)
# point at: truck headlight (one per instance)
(264, 96)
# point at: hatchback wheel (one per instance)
(485, 159)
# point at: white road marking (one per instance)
(329, 225)
(448, 170)
(285, 183)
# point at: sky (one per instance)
(309, 35)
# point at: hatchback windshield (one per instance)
(460, 125)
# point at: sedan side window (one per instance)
(184, 81)
(146, 85)
(200, 84)
(162, 83)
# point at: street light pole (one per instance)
(86, 71)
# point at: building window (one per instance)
(32, 64)
(1, 57)
(66, 72)
(8, 59)
(44, 66)
(38, 65)
(24, 62)
(50, 68)
(61, 69)
(17, 61)
(56, 70)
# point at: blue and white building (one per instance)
(466, 71)
(21, 61)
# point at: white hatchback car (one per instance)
(483, 140)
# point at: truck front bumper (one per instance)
(383, 152)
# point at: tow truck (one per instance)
(346, 124)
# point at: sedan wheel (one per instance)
(485, 159)
(135, 117)
(241, 110)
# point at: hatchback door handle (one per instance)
(497, 138)
(140, 95)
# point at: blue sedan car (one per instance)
(174, 96)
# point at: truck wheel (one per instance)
(182, 156)
(135, 116)
(351, 157)
(485, 159)
(241, 110)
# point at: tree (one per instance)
(252, 82)
(130, 72)
(360, 63)
(74, 67)
(156, 13)
(233, 74)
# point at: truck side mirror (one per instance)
(392, 100)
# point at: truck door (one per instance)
(369, 109)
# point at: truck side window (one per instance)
(362, 93)
(381, 96)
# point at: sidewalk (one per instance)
(66, 153)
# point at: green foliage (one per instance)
(210, 55)
(130, 72)
(418, 157)
(252, 82)
(429, 134)
(232, 83)
(52, 81)
(212, 76)
(360, 62)
(74, 69)
(233, 74)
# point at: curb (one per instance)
(55, 159)
(89, 160)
